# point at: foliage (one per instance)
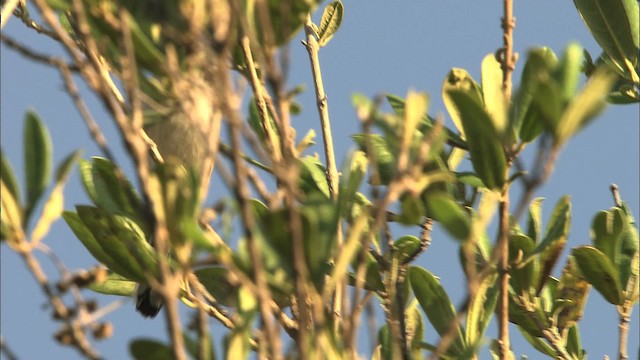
(312, 237)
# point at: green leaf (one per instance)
(606, 228)
(493, 95)
(353, 172)
(586, 105)
(547, 107)
(436, 305)
(485, 145)
(406, 246)
(470, 179)
(109, 189)
(627, 253)
(554, 239)
(84, 234)
(11, 218)
(236, 344)
(481, 310)
(448, 212)
(38, 158)
(313, 176)
(115, 284)
(538, 343)
(574, 346)
(600, 272)
(414, 328)
(192, 344)
(539, 64)
(614, 25)
(426, 122)
(147, 53)
(378, 149)
(568, 70)
(8, 177)
(330, 22)
(122, 240)
(215, 280)
(523, 279)
(571, 296)
(143, 349)
(534, 224)
(459, 79)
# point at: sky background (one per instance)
(382, 47)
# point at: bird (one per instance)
(178, 139)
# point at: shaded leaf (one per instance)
(142, 349)
(376, 147)
(599, 271)
(448, 212)
(554, 239)
(485, 146)
(571, 296)
(436, 305)
(523, 279)
(538, 343)
(122, 240)
(627, 253)
(539, 64)
(313, 176)
(38, 158)
(606, 228)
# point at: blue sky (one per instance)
(382, 47)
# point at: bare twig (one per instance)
(503, 275)
(4, 348)
(34, 55)
(508, 60)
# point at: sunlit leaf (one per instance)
(586, 105)
(614, 25)
(8, 177)
(114, 285)
(54, 204)
(534, 223)
(11, 216)
(568, 70)
(494, 100)
(330, 22)
(481, 309)
(459, 79)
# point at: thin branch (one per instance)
(508, 60)
(503, 275)
(34, 55)
(313, 48)
(4, 348)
